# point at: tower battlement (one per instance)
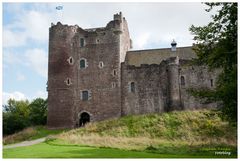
(118, 16)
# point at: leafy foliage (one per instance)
(38, 112)
(18, 115)
(216, 47)
(15, 116)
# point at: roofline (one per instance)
(157, 49)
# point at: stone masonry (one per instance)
(94, 75)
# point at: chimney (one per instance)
(174, 45)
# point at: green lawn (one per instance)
(52, 149)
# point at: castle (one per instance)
(93, 75)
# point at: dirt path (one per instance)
(24, 143)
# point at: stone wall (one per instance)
(102, 50)
(60, 95)
(159, 88)
(151, 88)
(197, 77)
(119, 82)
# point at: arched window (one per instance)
(182, 81)
(132, 87)
(82, 63)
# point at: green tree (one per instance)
(216, 47)
(38, 112)
(15, 116)
(18, 115)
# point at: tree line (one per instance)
(18, 115)
(216, 47)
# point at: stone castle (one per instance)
(94, 75)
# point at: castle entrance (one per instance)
(84, 118)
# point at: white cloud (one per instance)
(36, 25)
(20, 77)
(37, 59)
(141, 40)
(162, 21)
(11, 57)
(13, 38)
(28, 25)
(41, 94)
(14, 95)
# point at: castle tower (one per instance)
(84, 81)
(173, 85)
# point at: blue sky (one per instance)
(25, 34)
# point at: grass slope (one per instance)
(182, 132)
(30, 133)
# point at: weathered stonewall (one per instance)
(93, 76)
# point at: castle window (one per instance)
(97, 41)
(68, 81)
(70, 60)
(132, 87)
(211, 81)
(81, 42)
(85, 95)
(113, 84)
(114, 72)
(182, 81)
(101, 64)
(82, 63)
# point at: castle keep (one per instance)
(94, 75)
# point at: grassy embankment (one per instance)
(185, 134)
(30, 133)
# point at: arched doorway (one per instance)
(83, 119)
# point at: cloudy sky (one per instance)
(25, 34)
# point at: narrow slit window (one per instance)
(71, 60)
(113, 84)
(182, 81)
(132, 87)
(101, 64)
(211, 81)
(114, 72)
(68, 81)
